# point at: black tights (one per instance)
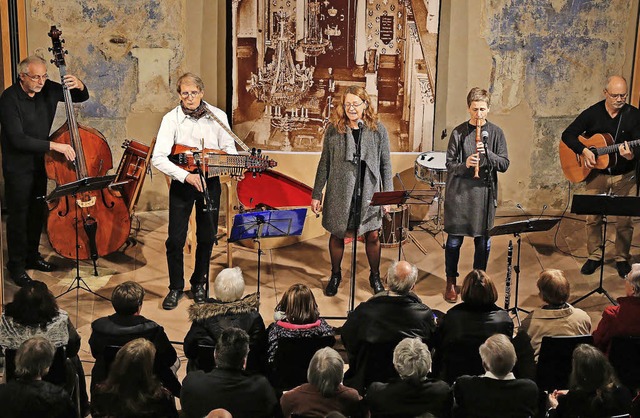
(372, 248)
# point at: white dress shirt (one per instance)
(177, 128)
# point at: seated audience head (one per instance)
(554, 288)
(33, 305)
(219, 413)
(232, 349)
(325, 371)
(334, 414)
(33, 358)
(498, 355)
(127, 298)
(229, 285)
(402, 277)
(132, 368)
(299, 305)
(412, 359)
(590, 370)
(632, 281)
(478, 289)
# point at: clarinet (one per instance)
(507, 284)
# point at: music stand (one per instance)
(604, 205)
(87, 184)
(267, 224)
(517, 228)
(399, 198)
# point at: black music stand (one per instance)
(399, 198)
(517, 228)
(88, 184)
(604, 205)
(267, 224)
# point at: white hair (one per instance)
(229, 284)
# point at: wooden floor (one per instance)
(308, 262)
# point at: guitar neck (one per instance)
(610, 149)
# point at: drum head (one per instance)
(433, 160)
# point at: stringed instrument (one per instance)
(215, 162)
(99, 219)
(602, 146)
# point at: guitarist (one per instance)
(187, 124)
(622, 121)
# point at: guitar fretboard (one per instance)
(610, 149)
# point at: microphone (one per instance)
(360, 124)
(544, 207)
(485, 135)
(519, 206)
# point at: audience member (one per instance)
(34, 312)
(557, 317)
(383, 321)
(228, 386)
(325, 392)
(219, 413)
(497, 393)
(125, 325)
(297, 316)
(131, 389)
(29, 395)
(228, 309)
(413, 393)
(621, 319)
(467, 325)
(594, 390)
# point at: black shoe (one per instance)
(334, 283)
(590, 267)
(375, 282)
(42, 265)
(623, 268)
(199, 295)
(22, 280)
(171, 301)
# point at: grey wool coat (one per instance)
(337, 170)
(465, 202)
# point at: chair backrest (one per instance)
(373, 363)
(624, 356)
(554, 361)
(57, 372)
(205, 359)
(109, 355)
(292, 358)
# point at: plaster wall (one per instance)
(543, 61)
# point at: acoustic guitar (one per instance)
(218, 163)
(602, 146)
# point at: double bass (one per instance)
(99, 219)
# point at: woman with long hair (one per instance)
(35, 313)
(132, 389)
(354, 122)
(594, 390)
(297, 316)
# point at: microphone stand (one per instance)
(209, 209)
(356, 207)
(489, 171)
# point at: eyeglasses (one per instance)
(353, 105)
(186, 94)
(37, 77)
(617, 96)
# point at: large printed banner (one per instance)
(293, 59)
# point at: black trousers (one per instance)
(182, 197)
(25, 217)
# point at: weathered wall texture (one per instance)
(544, 61)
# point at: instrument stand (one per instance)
(209, 209)
(400, 197)
(517, 228)
(73, 189)
(604, 205)
(267, 224)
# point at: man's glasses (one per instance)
(617, 96)
(37, 77)
(186, 94)
(353, 105)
